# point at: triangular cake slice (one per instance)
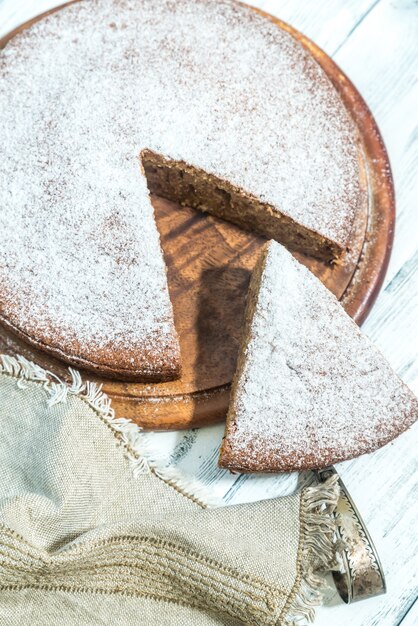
(310, 388)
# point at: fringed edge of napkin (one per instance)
(130, 435)
(320, 551)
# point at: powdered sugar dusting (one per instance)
(313, 389)
(83, 91)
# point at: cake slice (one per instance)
(310, 388)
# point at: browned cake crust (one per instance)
(148, 366)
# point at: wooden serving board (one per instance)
(209, 264)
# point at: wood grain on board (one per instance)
(209, 263)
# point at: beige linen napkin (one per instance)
(90, 535)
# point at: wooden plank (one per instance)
(381, 59)
(411, 617)
(393, 322)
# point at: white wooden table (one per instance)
(376, 44)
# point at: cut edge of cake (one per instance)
(228, 459)
(191, 186)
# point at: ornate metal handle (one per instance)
(363, 575)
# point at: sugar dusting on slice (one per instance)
(84, 90)
(312, 388)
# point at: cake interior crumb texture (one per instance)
(83, 93)
(310, 388)
(181, 182)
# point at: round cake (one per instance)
(106, 100)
